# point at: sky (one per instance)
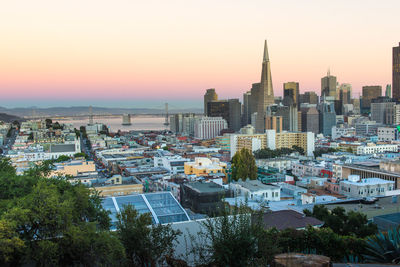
(128, 53)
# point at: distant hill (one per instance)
(9, 118)
(84, 110)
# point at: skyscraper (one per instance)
(344, 93)
(266, 92)
(327, 118)
(310, 120)
(388, 91)
(308, 97)
(369, 93)
(291, 93)
(230, 110)
(246, 116)
(328, 86)
(209, 96)
(396, 73)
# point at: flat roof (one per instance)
(368, 181)
(206, 187)
(256, 185)
(383, 206)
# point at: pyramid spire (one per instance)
(266, 56)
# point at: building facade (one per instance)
(209, 96)
(209, 127)
(328, 86)
(396, 73)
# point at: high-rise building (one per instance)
(344, 93)
(328, 86)
(235, 114)
(289, 116)
(229, 109)
(369, 93)
(396, 73)
(209, 96)
(183, 123)
(383, 110)
(286, 139)
(310, 120)
(291, 93)
(388, 91)
(266, 92)
(308, 97)
(209, 128)
(219, 108)
(273, 122)
(356, 105)
(246, 116)
(327, 118)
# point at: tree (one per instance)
(58, 223)
(350, 223)
(244, 165)
(62, 158)
(81, 155)
(235, 238)
(145, 244)
(49, 122)
(10, 243)
(298, 149)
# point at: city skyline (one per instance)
(113, 55)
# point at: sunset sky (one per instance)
(128, 53)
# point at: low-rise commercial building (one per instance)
(372, 148)
(255, 190)
(367, 187)
(205, 167)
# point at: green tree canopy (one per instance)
(145, 244)
(342, 222)
(244, 165)
(51, 222)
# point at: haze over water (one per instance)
(115, 123)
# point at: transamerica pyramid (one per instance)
(265, 93)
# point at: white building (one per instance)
(369, 187)
(279, 163)
(302, 169)
(175, 164)
(209, 127)
(255, 190)
(388, 134)
(372, 148)
(338, 132)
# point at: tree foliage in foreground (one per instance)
(244, 165)
(51, 222)
(384, 247)
(342, 222)
(235, 239)
(145, 245)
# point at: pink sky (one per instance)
(127, 49)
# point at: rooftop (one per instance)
(255, 185)
(383, 206)
(206, 187)
(284, 219)
(368, 181)
(162, 206)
